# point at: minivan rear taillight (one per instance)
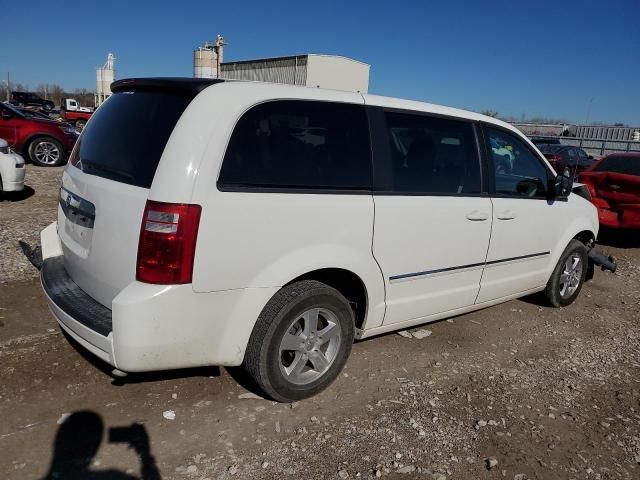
(167, 243)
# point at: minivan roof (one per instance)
(197, 85)
(185, 84)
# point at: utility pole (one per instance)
(586, 122)
(8, 87)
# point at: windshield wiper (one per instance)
(108, 170)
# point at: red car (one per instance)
(45, 142)
(614, 185)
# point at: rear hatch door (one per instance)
(106, 185)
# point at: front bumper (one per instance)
(13, 176)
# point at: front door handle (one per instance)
(476, 216)
(506, 215)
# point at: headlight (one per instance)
(68, 130)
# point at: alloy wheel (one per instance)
(310, 346)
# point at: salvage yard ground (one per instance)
(517, 391)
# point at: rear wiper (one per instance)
(109, 170)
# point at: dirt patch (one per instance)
(517, 391)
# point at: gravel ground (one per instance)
(518, 391)
(22, 216)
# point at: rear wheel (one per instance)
(568, 277)
(46, 152)
(300, 342)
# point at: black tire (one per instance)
(561, 289)
(51, 144)
(264, 360)
(80, 123)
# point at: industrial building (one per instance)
(310, 70)
(207, 59)
(105, 76)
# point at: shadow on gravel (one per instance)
(134, 378)
(619, 238)
(537, 299)
(78, 441)
(25, 193)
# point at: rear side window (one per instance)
(432, 155)
(299, 144)
(126, 136)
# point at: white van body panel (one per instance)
(159, 327)
(250, 244)
(536, 229)
(417, 238)
(102, 260)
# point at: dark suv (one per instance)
(28, 99)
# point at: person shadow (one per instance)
(78, 440)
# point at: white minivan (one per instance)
(208, 222)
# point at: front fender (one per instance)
(587, 222)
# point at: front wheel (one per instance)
(46, 152)
(300, 342)
(568, 277)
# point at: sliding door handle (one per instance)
(506, 215)
(476, 216)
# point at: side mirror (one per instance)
(590, 157)
(561, 187)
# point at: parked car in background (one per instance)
(204, 222)
(72, 112)
(12, 169)
(33, 113)
(28, 99)
(545, 140)
(614, 185)
(43, 141)
(566, 159)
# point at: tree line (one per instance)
(53, 92)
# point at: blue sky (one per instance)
(535, 58)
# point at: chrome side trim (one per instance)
(465, 267)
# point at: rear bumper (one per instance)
(87, 321)
(627, 216)
(152, 327)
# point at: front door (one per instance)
(432, 221)
(526, 225)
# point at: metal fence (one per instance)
(597, 147)
(601, 147)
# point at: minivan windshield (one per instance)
(126, 136)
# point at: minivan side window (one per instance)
(299, 144)
(517, 171)
(432, 155)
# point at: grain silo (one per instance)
(207, 59)
(105, 76)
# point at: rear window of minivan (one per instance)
(126, 136)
